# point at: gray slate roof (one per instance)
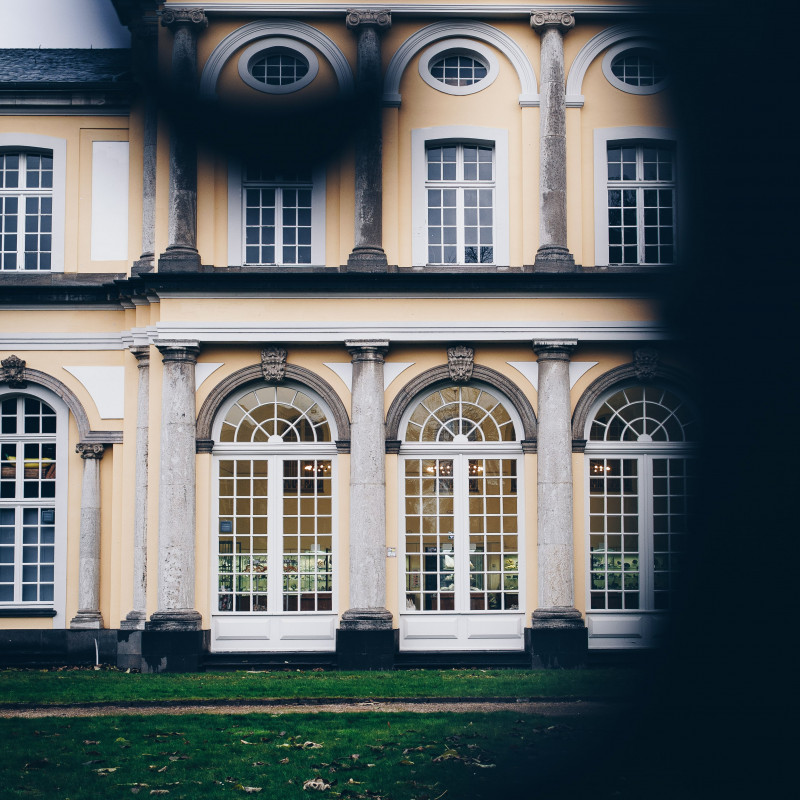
(65, 65)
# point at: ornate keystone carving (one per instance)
(645, 363)
(380, 18)
(459, 363)
(273, 364)
(172, 17)
(563, 20)
(92, 450)
(13, 372)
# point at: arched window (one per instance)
(275, 543)
(461, 512)
(640, 478)
(31, 513)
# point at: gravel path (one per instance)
(557, 709)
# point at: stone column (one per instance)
(368, 254)
(559, 634)
(181, 254)
(144, 41)
(553, 255)
(365, 636)
(176, 497)
(135, 618)
(88, 615)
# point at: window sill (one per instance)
(19, 611)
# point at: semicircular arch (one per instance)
(596, 45)
(249, 375)
(451, 29)
(618, 378)
(264, 29)
(439, 375)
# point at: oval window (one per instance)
(278, 65)
(458, 66)
(635, 67)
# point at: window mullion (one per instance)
(279, 225)
(20, 231)
(274, 535)
(646, 536)
(461, 533)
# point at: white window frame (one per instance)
(628, 628)
(638, 135)
(274, 629)
(236, 227)
(619, 49)
(13, 142)
(282, 44)
(421, 140)
(461, 47)
(59, 502)
(462, 628)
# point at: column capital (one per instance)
(377, 18)
(367, 349)
(554, 18)
(90, 450)
(554, 349)
(142, 354)
(173, 17)
(179, 351)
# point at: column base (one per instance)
(552, 258)
(134, 621)
(365, 640)
(86, 620)
(367, 259)
(559, 638)
(177, 620)
(366, 619)
(179, 259)
(143, 264)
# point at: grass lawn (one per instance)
(397, 756)
(85, 685)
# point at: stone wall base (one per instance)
(365, 649)
(556, 648)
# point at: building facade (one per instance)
(330, 333)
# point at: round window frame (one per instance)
(261, 48)
(467, 47)
(619, 49)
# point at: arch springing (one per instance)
(643, 414)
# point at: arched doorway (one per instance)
(274, 541)
(462, 533)
(640, 478)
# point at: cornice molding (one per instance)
(244, 9)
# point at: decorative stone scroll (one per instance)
(645, 363)
(184, 16)
(460, 363)
(13, 372)
(380, 18)
(273, 364)
(564, 20)
(90, 450)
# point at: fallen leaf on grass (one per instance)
(245, 742)
(249, 789)
(90, 741)
(406, 762)
(447, 755)
(284, 760)
(311, 746)
(354, 783)
(106, 770)
(179, 758)
(355, 756)
(258, 763)
(316, 783)
(159, 791)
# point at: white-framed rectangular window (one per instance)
(32, 202)
(459, 196)
(26, 210)
(636, 194)
(276, 217)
